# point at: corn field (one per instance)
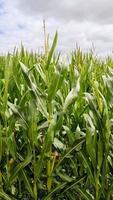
(56, 126)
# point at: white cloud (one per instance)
(91, 10)
(76, 22)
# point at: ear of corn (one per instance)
(56, 126)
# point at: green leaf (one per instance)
(53, 86)
(52, 51)
(90, 139)
(32, 130)
(1, 144)
(65, 177)
(75, 146)
(18, 168)
(11, 145)
(58, 144)
(4, 196)
(73, 184)
(27, 182)
(84, 194)
(41, 72)
(73, 94)
(35, 92)
(16, 112)
(46, 146)
(58, 188)
(87, 163)
(100, 153)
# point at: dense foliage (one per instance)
(56, 126)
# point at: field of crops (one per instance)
(56, 126)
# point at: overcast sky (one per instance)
(77, 21)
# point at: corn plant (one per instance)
(56, 124)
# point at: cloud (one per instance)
(91, 10)
(76, 22)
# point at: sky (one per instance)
(89, 24)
